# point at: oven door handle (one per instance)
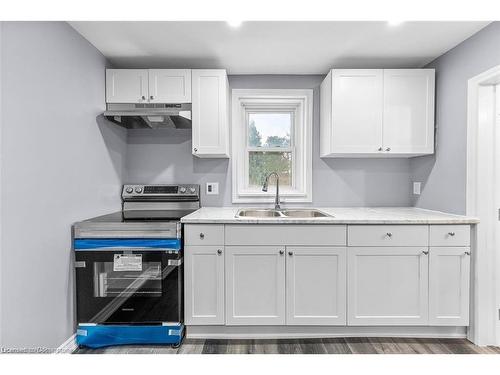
(132, 244)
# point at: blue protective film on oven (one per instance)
(107, 335)
(147, 243)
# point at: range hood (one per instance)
(150, 116)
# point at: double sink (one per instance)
(285, 213)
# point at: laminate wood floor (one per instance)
(354, 345)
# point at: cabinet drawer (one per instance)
(284, 235)
(388, 235)
(204, 234)
(450, 235)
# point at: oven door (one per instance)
(129, 286)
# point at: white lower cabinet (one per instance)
(204, 285)
(404, 275)
(315, 286)
(255, 285)
(387, 286)
(449, 286)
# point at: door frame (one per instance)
(481, 202)
(1, 182)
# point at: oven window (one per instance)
(145, 281)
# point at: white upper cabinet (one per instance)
(377, 113)
(210, 90)
(356, 96)
(170, 85)
(148, 85)
(127, 86)
(409, 111)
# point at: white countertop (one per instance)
(339, 215)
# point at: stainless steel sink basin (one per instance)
(290, 213)
(304, 213)
(258, 213)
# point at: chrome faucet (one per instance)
(266, 184)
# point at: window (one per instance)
(272, 131)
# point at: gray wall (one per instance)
(165, 157)
(60, 164)
(444, 174)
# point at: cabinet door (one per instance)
(387, 286)
(210, 113)
(357, 110)
(126, 85)
(409, 111)
(255, 285)
(170, 85)
(449, 286)
(204, 285)
(316, 286)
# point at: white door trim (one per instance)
(1, 218)
(480, 202)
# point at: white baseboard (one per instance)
(69, 346)
(290, 332)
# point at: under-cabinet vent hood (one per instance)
(150, 116)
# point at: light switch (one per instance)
(212, 188)
(416, 188)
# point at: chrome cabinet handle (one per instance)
(389, 234)
(282, 252)
(290, 253)
(219, 251)
(425, 252)
(380, 149)
(202, 235)
(467, 253)
(143, 97)
(151, 97)
(195, 149)
(388, 149)
(451, 233)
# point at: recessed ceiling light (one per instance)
(234, 23)
(394, 22)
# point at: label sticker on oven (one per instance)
(127, 262)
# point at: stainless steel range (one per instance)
(129, 273)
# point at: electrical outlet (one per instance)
(212, 188)
(416, 188)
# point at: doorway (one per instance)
(483, 202)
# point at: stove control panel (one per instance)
(159, 191)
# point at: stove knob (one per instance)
(192, 190)
(138, 190)
(182, 189)
(129, 190)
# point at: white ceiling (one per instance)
(261, 47)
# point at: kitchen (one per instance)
(290, 198)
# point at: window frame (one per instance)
(298, 102)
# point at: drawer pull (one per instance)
(425, 252)
(219, 251)
(202, 235)
(290, 253)
(389, 234)
(282, 252)
(451, 233)
(467, 253)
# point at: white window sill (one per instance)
(269, 198)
